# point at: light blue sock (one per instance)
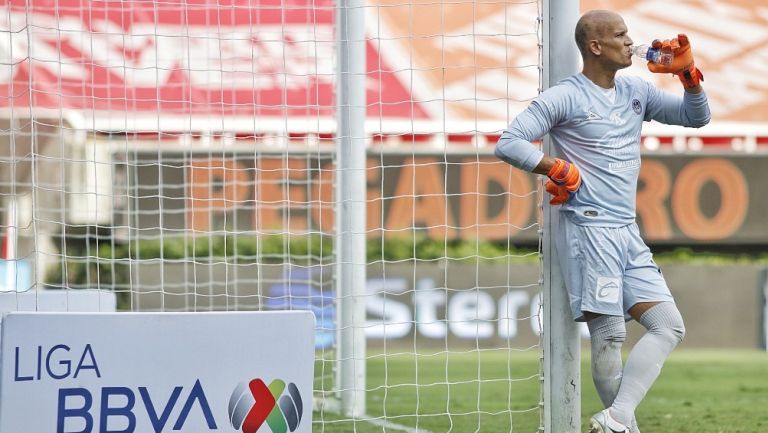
(607, 334)
(665, 331)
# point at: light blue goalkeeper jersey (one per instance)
(601, 137)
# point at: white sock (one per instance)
(665, 331)
(607, 334)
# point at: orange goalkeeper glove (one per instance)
(565, 179)
(682, 61)
(560, 194)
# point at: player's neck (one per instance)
(600, 76)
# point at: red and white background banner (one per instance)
(114, 59)
(490, 50)
(466, 67)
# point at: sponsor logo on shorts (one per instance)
(608, 289)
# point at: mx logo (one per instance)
(254, 403)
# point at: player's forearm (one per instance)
(518, 152)
(695, 108)
(504, 152)
(545, 165)
(695, 90)
(692, 110)
(515, 146)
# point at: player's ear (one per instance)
(594, 47)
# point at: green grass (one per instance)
(698, 392)
(709, 392)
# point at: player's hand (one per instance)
(565, 179)
(566, 174)
(559, 193)
(682, 62)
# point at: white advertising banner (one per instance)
(60, 301)
(157, 372)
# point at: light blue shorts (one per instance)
(607, 270)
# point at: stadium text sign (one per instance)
(681, 198)
(406, 302)
(157, 372)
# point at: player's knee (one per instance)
(677, 330)
(608, 329)
(673, 324)
(617, 336)
(673, 334)
(665, 319)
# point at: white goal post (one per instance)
(561, 345)
(351, 205)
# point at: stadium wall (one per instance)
(429, 303)
(703, 198)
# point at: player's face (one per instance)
(615, 44)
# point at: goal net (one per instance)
(183, 156)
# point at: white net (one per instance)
(180, 156)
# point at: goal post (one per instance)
(351, 205)
(561, 341)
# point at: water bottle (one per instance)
(655, 55)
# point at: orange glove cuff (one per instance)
(691, 76)
(566, 174)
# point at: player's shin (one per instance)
(665, 331)
(607, 334)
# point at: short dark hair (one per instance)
(589, 26)
(582, 36)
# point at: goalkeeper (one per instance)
(594, 119)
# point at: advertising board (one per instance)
(702, 198)
(152, 372)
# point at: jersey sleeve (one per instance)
(515, 144)
(691, 110)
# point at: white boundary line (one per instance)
(393, 426)
(333, 406)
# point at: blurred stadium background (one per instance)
(182, 156)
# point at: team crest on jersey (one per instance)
(636, 106)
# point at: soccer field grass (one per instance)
(699, 391)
